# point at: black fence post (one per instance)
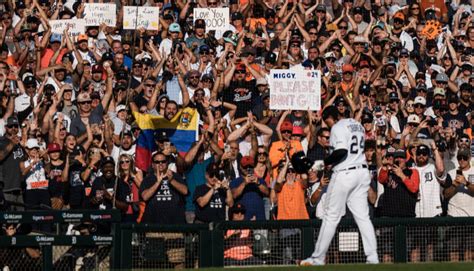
(116, 247)
(47, 253)
(217, 247)
(400, 244)
(307, 241)
(206, 248)
(125, 248)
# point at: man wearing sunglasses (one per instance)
(432, 179)
(87, 115)
(11, 154)
(461, 203)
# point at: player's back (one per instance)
(350, 135)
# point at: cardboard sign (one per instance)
(215, 18)
(95, 14)
(295, 89)
(146, 17)
(76, 27)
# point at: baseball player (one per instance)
(349, 184)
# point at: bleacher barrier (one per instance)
(224, 244)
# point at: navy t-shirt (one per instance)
(214, 210)
(251, 198)
(166, 206)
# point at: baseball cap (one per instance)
(237, 208)
(174, 27)
(297, 130)
(442, 77)
(357, 10)
(83, 97)
(107, 160)
(12, 121)
(413, 119)
(364, 64)
(366, 118)
(393, 96)
(321, 7)
(400, 153)
(286, 126)
(107, 56)
(203, 48)
(464, 152)
(261, 81)
(54, 147)
(237, 16)
(82, 37)
(95, 95)
(330, 111)
(422, 149)
(32, 143)
(329, 55)
(419, 100)
(347, 68)
(97, 68)
(404, 52)
(29, 80)
(247, 161)
(399, 15)
(55, 37)
(270, 58)
(120, 108)
(161, 136)
(359, 39)
(439, 91)
(421, 86)
(199, 23)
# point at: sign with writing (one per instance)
(146, 17)
(295, 89)
(215, 18)
(95, 14)
(76, 27)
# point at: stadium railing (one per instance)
(144, 246)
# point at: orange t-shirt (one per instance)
(291, 202)
(48, 54)
(276, 155)
(248, 75)
(239, 252)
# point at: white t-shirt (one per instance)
(429, 195)
(349, 134)
(462, 203)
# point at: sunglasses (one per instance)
(149, 85)
(286, 132)
(262, 153)
(159, 162)
(204, 53)
(409, 105)
(294, 45)
(347, 73)
(12, 126)
(330, 59)
(321, 11)
(419, 106)
(193, 77)
(124, 162)
(463, 140)
(415, 8)
(343, 27)
(89, 102)
(422, 153)
(240, 72)
(404, 56)
(212, 3)
(463, 157)
(313, 33)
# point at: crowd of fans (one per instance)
(404, 69)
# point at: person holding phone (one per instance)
(461, 204)
(250, 190)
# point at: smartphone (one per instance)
(459, 172)
(226, 148)
(249, 171)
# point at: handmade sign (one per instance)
(96, 14)
(146, 17)
(295, 89)
(215, 18)
(76, 27)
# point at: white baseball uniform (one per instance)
(349, 184)
(429, 196)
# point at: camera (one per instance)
(441, 145)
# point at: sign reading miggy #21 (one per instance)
(295, 89)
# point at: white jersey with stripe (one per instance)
(349, 134)
(429, 195)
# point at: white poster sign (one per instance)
(295, 89)
(95, 14)
(76, 27)
(215, 18)
(146, 17)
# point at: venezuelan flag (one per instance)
(182, 131)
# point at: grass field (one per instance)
(362, 267)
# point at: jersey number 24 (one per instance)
(356, 144)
